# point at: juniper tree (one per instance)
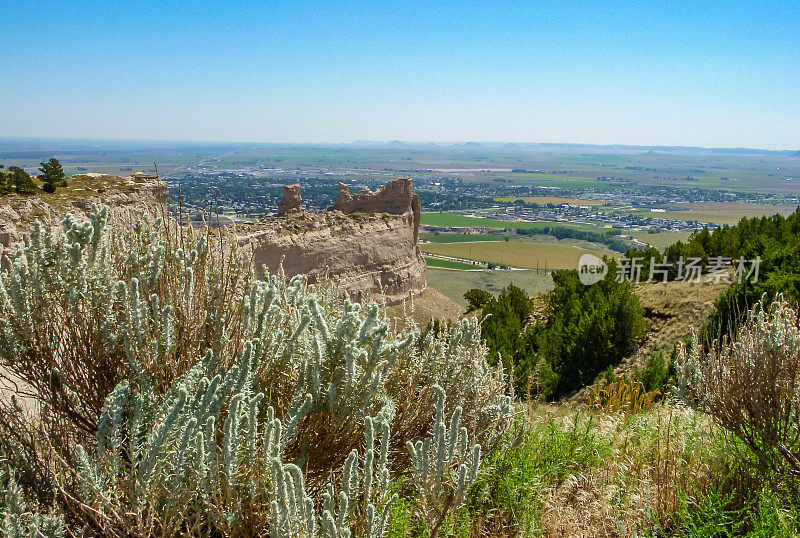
(19, 181)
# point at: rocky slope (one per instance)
(367, 242)
(674, 310)
(128, 198)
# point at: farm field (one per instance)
(558, 181)
(450, 264)
(555, 200)
(528, 255)
(661, 240)
(454, 284)
(456, 220)
(767, 209)
(719, 216)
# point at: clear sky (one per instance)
(671, 73)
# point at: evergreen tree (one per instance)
(52, 175)
(503, 319)
(588, 328)
(585, 330)
(20, 181)
(477, 299)
(5, 181)
(773, 240)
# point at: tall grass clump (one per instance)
(166, 387)
(750, 385)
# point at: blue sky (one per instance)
(672, 73)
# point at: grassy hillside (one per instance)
(454, 284)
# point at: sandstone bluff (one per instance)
(367, 242)
(128, 199)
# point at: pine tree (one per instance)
(52, 175)
(21, 181)
(5, 181)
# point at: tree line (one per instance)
(773, 240)
(610, 238)
(580, 331)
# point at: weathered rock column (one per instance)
(292, 202)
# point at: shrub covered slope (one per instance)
(176, 393)
(164, 387)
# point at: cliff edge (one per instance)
(128, 199)
(367, 242)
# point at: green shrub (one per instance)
(18, 180)
(507, 497)
(587, 328)
(477, 299)
(658, 372)
(776, 515)
(709, 514)
(502, 320)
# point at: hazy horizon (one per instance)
(121, 143)
(619, 73)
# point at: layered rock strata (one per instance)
(367, 242)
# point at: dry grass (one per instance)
(430, 305)
(624, 396)
(654, 456)
(674, 310)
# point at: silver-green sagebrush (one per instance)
(241, 400)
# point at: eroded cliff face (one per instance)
(367, 242)
(128, 199)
